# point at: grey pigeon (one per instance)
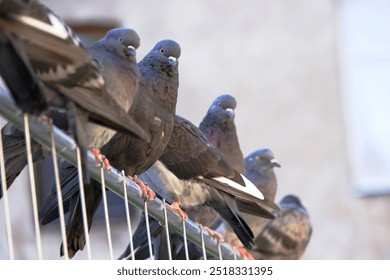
(259, 169)
(219, 128)
(114, 56)
(287, 236)
(44, 64)
(154, 108)
(193, 174)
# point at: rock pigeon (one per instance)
(193, 174)
(154, 108)
(259, 169)
(114, 56)
(219, 128)
(287, 236)
(44, 64)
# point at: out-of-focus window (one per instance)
(365, 78)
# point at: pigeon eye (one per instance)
(219, 104)
(120, 39)
(161, 50)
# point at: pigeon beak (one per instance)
(275, 163)
(131, 51)
(230, 112)
(172, 60)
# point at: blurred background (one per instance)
(311, 83)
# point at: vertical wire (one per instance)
(6, 203)
(148, 230)
(128, 216)
(185, 239)
(107, 218)
(167, 230)
(219, 250)
(83, 204)
(202, 243)
(33, 187)
(58, 188)
(234, 254)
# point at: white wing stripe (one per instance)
(57, 29)
(250, 188)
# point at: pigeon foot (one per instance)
(147, 192)
(101, 158)
(214, 234)
(244, 253)
(176, 206)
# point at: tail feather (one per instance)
(15, 156)
(226, 206)
(75, 227)
(69, 180)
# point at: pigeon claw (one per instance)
(214, 234)
(244, 253)
(176, 206)
(147, 192)
(101, 158)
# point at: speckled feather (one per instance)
(286, 237)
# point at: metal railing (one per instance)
(62, 145)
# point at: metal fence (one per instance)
(63, 146)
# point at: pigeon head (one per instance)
(166, 52)
(259, 168)
(291, 201)
(122, 41)
(261, 159)
(223, 107)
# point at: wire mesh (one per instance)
(115, 181)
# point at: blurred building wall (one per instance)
(280, 60)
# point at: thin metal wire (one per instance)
(59, 193)
(7, 215)
(202, 243)
(32, 185)
(219, 250)
(185, 239)
(128, 216)
(167, 230)
(107, 217)
(83, 204)
(148, 230)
